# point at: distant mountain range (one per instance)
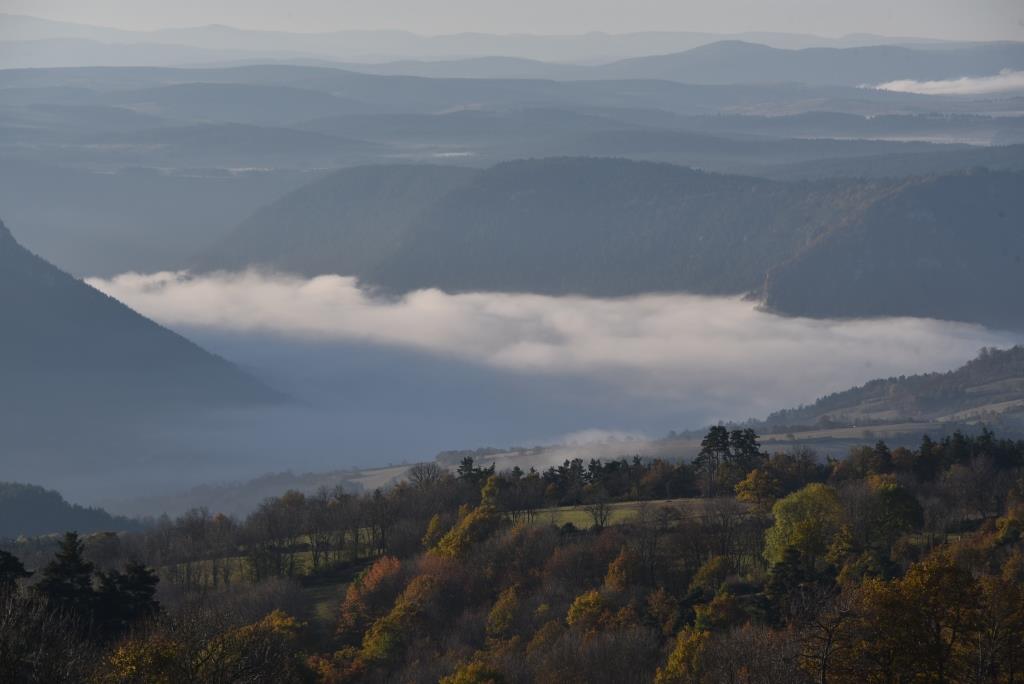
(698, 58)
(736, 61)
(114, 169)
(224, 42)
(93, 223)
(714, 63)
(605, 227)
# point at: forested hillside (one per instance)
(988, 388)
(885, 565)
(32, 511)
(612, 227)
(343, 223)
(66, 344)
(568, 225)
(949, 247)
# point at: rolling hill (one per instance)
(91, 223)
(31, 511)
(988, 389)
(610, 227)
(345, 222)
(743, 62)
(948, 247)
(556, 226)
(232, 146)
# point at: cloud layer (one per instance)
(715, 351)
(1005, 81)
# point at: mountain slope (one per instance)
(950, 247)
(31, 510)
(557, 226)
(989, 388)
(344, 223)
(610, 227)
(68, 346)
(742, 62)
(947, 246)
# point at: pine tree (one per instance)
(125, 598)
(11, 570)
(67, 580)
(714, 453)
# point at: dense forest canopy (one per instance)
(889, 563)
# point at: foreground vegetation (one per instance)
(885, 566)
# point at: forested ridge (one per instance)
(67, 344)
(839, 247)
(887, 565)
(30, 510)
(992, 382)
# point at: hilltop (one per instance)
(989, 388)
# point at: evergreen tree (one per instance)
(714, 453)
(11, 570)
(67, 580)
(745, 450)
(126, 597)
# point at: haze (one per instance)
(948, 19)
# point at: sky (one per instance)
(952, 19)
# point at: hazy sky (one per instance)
(965, 19)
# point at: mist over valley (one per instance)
(497, 343)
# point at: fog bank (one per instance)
(1005, 81)
(723, 354)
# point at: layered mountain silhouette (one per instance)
(743, 62)
(944, 246)
(67, 347)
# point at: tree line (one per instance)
(888, 565)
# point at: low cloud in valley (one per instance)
(1005, 81)
(722, 353)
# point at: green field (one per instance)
(621, 512)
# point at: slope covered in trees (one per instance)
(948, 247)
(30, 510)
(343, 223)
(886, 565)
(592, 226)
(93, 394)
(990, 387)
(611, 227)
(66, 344)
